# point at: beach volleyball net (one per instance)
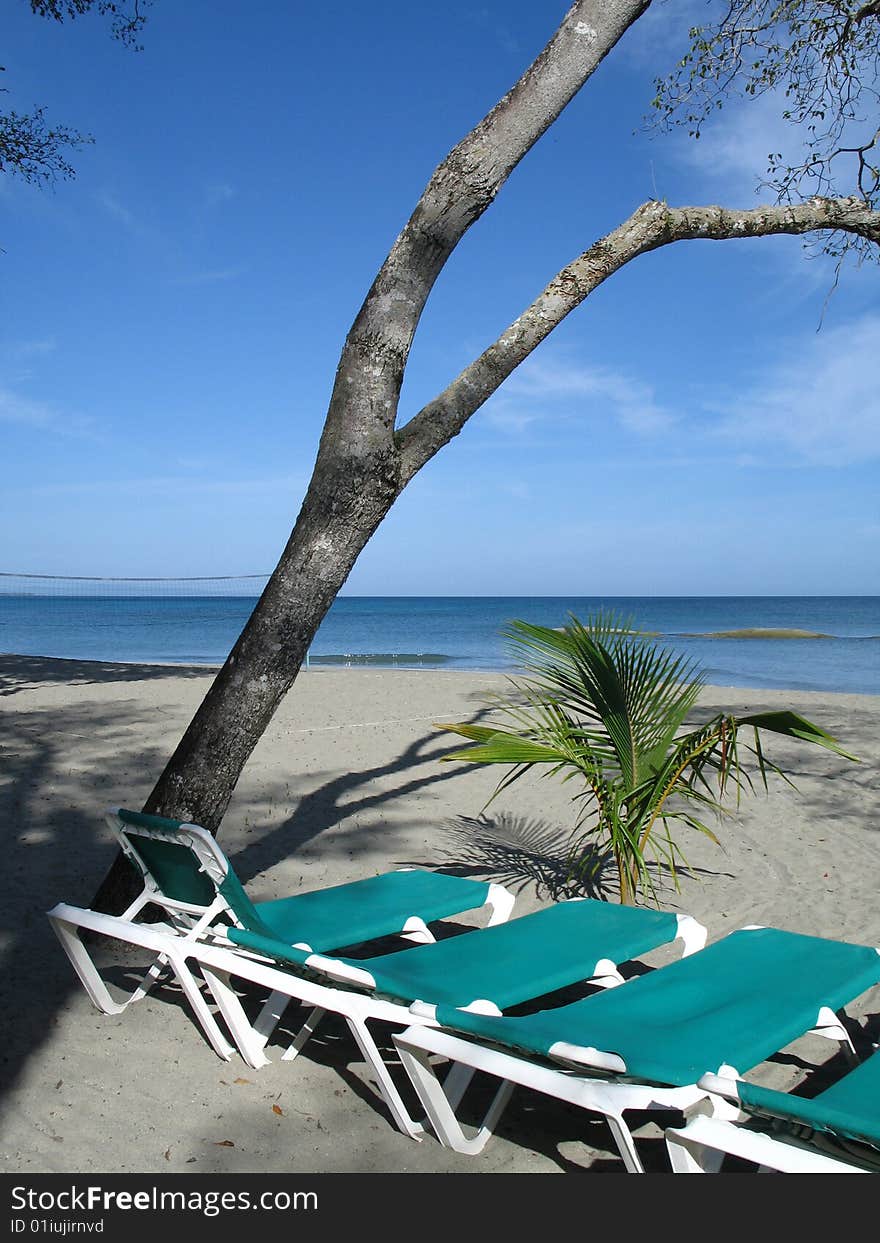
(78, 587)
(153, 620)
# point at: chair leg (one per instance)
(304, 1034)
(248, 1042)
(686, 1156)
(385, 1083)
(193, 993)
(626, 1145)
(500, 901)
(271, 1014)
(440, 1104)
(440, 1108)
(832, 1027)
(90, 977)
(417, 931)
(456, 1083)
(107, 925)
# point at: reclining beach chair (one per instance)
(835, 1132)
(185, 872)
(187, 876)
(486, 968)
(731, 1005)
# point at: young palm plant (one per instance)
(602, 704)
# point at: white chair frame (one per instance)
(220, 963)
(702, 1144)
(611, 1097)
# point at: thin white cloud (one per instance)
(219, 192)
(27, 349)
(17, 409)
(820, 405)
(660, 37)
(134, 224)
(731, 157)
(209, 276)
(119, 211)
(176, 486)
(519, 489)
(42, 416)
(729, 164)
(551, 388)
(17, 357)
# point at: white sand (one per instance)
(346, 783)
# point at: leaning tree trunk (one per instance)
(343, 507)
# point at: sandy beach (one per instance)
(347, 783)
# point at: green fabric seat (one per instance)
(366, 909)
(513, 962)
(324, 919)
(849, 1109)
(736, 1002)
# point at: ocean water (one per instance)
(465, 632)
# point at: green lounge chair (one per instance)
(837, 1131)
(731, 1005)
(486, 968)
(185, 872)
(187, 876)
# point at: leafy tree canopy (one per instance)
(32, 147)
(820, 59)
(126, 20)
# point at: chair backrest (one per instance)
(183, 866)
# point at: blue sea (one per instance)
(446, 632)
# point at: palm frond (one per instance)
(793, 725)
(603, 704)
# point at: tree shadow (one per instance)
(518, 852)
(324, 807)
(52, 849)
(832, 788)
(58, 846)
(25, 673)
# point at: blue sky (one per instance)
(173, 317)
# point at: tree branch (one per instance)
(654, 224)
(459, 191)
(31, 148)
(867, 10)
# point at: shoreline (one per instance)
(13, 664)
(349, 781)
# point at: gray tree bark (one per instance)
(363, 463)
